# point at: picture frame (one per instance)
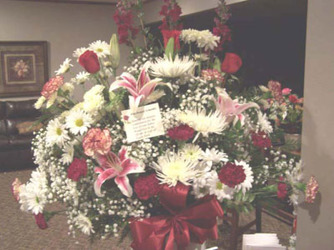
(23, 68)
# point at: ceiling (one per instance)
(113, 2)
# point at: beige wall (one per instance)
(65, 26)
(315, 228)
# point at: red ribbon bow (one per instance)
(198, 222)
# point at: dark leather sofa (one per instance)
(15, 147)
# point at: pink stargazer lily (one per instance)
(118, 167)
(139, 89)
(231, 109)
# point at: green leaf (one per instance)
(238, 125)
(216, 64)
(169, 50)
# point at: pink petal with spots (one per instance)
(105, 175)
(124, 185)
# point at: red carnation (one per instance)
(261, 140)
(40, 221)
(90, 62)
(231, 64)
(293, 98)
(77, 169)
(232, 175)
(147, 186)
(281, 189)
(181, 133)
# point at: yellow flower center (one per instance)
(175, 169)
(59, 131)
(78, 122)
(219, 185)
(99, 50)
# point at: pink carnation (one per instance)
(77, 169)
(212, 75)
(276, 90)
(181, 133)
(97, 141)
(286, 91)
(16, 189)
(52, 86)
(312, 189)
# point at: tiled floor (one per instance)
(18, 230)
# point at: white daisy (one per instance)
(173, 167)
(191, 152)
(200, 185)
(169, 68)
(211, 156)
(264, 123)
(101, 48)
(78, 52)
(205, 124)
(81, 77)
(217, 188)
(64, 67)
(84, 223)
(67, 156)
(78, 122)
(32, 198)
(56, 133)
(247, 183)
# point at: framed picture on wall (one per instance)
(23, 68)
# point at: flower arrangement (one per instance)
(163, 148)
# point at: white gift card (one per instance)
(143, 122)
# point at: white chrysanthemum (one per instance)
(211, 156)
(173, 167)
(203, 38)
(207, 40)
(78, 52)
(189, 35)
(191, 152)
(205, 124)
(84, 223)
(167, 67)
(56, 133)
(217, 188)
(32, 198)
(264, 123)
(93, 99)
(64, 67)
(38, 104)
(67, 156)
(81, 77)
(101, 48)
(247, 183)
(78, 121)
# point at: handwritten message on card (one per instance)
(144, 122)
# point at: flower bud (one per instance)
(114, 52)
